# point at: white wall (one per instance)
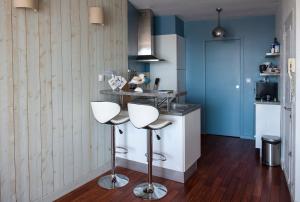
(49, 62)
(285, 8)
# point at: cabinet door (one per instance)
(181, 80)
(171, 144)
(181, 53)
(267, 121)
(166, 48)
(192, 138)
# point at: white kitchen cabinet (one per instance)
(267, 121)
(171, 48)
(180, 143)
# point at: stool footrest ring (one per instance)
(121, 150)
(159, 156)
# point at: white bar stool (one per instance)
(108, 113)
(146, 117)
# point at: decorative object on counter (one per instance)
(138, 81)
(218, 32)
(96, 15)
(32, 4)
(117, 82)
(138, 89)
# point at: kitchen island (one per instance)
(177, 147)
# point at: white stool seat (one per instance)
(105, 111)
(119, 119)
(159, 124)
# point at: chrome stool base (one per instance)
(113, 181)
(152, 191)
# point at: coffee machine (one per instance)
(267, 91)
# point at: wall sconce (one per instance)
(32, 4)
(96, 15)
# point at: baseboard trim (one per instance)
(177, 176)
(78, 183)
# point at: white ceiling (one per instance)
(205, 9)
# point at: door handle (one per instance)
(288, 109)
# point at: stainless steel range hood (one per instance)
(145, 37)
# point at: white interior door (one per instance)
(288, 104)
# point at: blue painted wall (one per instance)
(168, 25)
(256, 34)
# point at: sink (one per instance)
(180, 107)
(175, 108)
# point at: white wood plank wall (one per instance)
(49, 62)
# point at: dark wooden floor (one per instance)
(229, 170)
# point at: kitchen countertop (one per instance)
(180, 109)
(176, 109)
(267, 102)
(146, 93)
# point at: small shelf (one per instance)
(269, 55)
(269, 74)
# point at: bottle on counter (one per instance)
(276, 46)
